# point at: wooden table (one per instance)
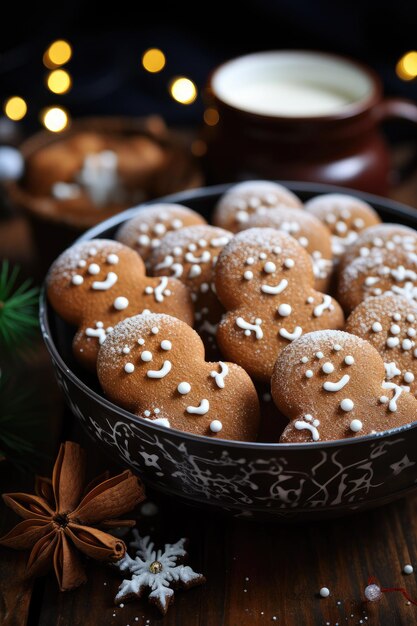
(257, 574)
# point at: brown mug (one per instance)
(300, 115)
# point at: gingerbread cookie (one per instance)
(389, 323)
(144, 231)
(376, 238)
(344, 215)
(264, 279)
(95, 284)
(190, 255)
(383, 270)
(153, 365)
(331, 385)
(253, 196)
(307, 230)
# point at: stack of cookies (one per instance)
(197, 327)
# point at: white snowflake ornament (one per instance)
(158, 570)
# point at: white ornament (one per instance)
(155, 570)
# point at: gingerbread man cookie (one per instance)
(95, 284)
(307, 230)
(389, 323)
(253, 196)
(381, 270)
(264, 279)
(319, 384)
(143, 232)
(344, 215)
(190, 255)
(377, 238)
(153, 365)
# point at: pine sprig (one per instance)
(18, 308)
(23, 423)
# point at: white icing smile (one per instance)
(162, 372)
(103, 285)
(275, 289)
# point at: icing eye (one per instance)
(349, 360)
(154, 330)
(248, 275)
(146, 356)
(93, 269)
(347, 405)
(166, 345)
(327, 367)
(289, 263)
(141, 341)
(112, 259)
(77, 279)
(129, 368)
(269, 267)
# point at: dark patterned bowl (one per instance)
(259, 480)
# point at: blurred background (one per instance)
(105, 70)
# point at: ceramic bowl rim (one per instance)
(178, 197)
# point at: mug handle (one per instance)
(403, 109)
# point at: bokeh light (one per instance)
(153, 60)
(406, 67)
(211, 116)
(58, 53)
(15, 108)
(59, 81)
(183, 90)
(55, 119)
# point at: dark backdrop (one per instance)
(106, 70)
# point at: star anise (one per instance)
(61, 518)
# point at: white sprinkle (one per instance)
(250, 260)
(146, 356)
(310, 300)
(82, 263)
(304, 359)
(216, 426)
(154, 330)
(395, 329)
(166, 345)
(324, 592)
(262, 256)
(407, 344)
(349, 360)
(141, 341)
(408, 569)
(248, 275)
(176, 224)
(284, 310)
(129, 368)
(147, 413)
(355, 426)
(410, 318)
(392, 342)
(309, 374)
(396, 317)
(376, 327)
(347, 405)
(92, 251)
(411, 332)
(408, 377)
(121, 303)
(337, 347)
(289, 263)
(184, 388)
(126, 350)
(319, 355)
(383, 399)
